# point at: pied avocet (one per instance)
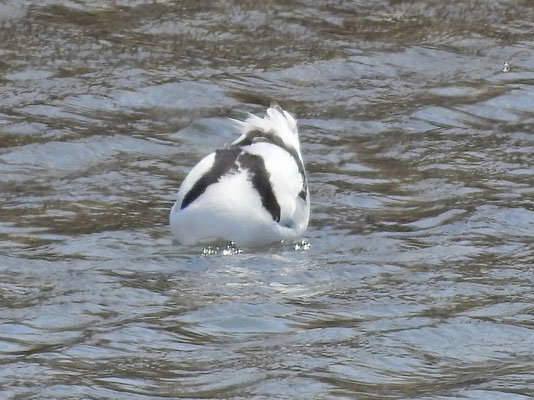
(252, 192)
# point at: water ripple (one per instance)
(417, 281)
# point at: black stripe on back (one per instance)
(230, 159)
(261, 182)
(225, 160)
(257, 135)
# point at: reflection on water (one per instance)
(417, 282)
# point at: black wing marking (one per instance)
(231, 159)
(261, 182)
(257, 135)
(225, 160)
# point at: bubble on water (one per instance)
(303, 245)
(231, 249)
(228, 250)
(209, 251)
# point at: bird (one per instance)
(253, 192)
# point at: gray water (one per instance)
(419, 144)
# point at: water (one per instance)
(419, 280)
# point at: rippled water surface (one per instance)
(420, 153)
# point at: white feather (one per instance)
(277, 120)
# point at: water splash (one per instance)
(303, 245)
(229, 250)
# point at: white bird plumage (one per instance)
(253, 192)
